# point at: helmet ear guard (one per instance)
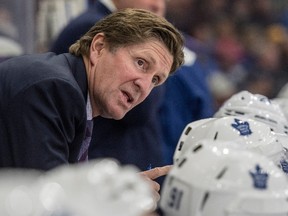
(211, 178)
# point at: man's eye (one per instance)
(155, 80)
(140, 62)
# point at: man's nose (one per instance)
(144, 85)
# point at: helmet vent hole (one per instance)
(180, 146)
(228, 112)
(260, 117)
(273, 121)
(221, 174)
(239, 113)
(205, 198)
(188, 130)
(197, 148)
(215, 136)
(182, 162)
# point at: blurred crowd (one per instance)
(242, 44)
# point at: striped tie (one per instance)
(83, 155)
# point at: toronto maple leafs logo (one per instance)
(242, 126)
(284, 165)
(259, 177)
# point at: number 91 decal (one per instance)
(174, 197)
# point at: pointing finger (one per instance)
(157, 172)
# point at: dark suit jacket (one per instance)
(42, 110)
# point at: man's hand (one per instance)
(153, 174)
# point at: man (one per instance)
(46, 99)
(137, 138)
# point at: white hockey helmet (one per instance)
(213, 179)
(257, 107)
(17, 194)
(101, 187)
(248, 133)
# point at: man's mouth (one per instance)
(130, 99)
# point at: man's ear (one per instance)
(96, 47)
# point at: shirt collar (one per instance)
(89, 108)
(109, 4)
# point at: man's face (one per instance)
(156, 6)
(120, 80)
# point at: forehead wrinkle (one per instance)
(161, 52)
